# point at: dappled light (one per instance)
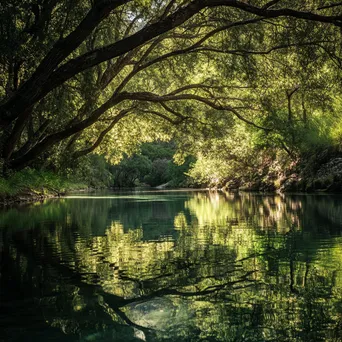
(170, 170)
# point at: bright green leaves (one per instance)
(209, 78)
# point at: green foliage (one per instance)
(93, 170)
(40, 182)
(237, 96)
(152, 166)
(158, 150)
(131, 170)
(159, 172)
(178, 174)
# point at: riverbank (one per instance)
(321, 172)
(31, 186)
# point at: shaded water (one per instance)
(172, 266)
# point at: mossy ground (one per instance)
(40, 183)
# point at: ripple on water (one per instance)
(195, 267)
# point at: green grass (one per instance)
(40, 182)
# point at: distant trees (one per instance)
(105, 75)
(153, 165)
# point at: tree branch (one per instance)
(270, 4)
(163, 116)
(45, 79)
(31, 91)
(100, 138)
(151, 97)
(51, 139)
(329, 6)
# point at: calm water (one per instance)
(172, 266)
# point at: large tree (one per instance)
(73, 72)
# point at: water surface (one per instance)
(172, 266)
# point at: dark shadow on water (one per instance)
(179, 266)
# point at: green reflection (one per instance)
(173, 267)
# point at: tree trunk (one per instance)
(38, 85)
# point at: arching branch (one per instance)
(329, 6)
(151, 97)
(100, 138)
(45, 78)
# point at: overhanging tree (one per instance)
(73, 74)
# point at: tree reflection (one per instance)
(216, 267)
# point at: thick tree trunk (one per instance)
(46, 143)
(17, 130)
(38, 85)
(33, 140)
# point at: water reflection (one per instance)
(173, 267)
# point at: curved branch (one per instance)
(243, 52)
(329, 6)
(100, 138)
(193, 47)
(32, 90)
(45, 79)
(53, 138)
(164, 117)
(270, 4)
(118, 48)
(151, 97)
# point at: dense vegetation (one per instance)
(153, 166)
(251, 88)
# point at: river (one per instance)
(172, 266)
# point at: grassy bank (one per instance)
(30, 185)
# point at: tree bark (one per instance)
(15, 135)
(289, 95)
(22, 161)
(34, 89)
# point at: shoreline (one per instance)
(30, 196)
(26, 197)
